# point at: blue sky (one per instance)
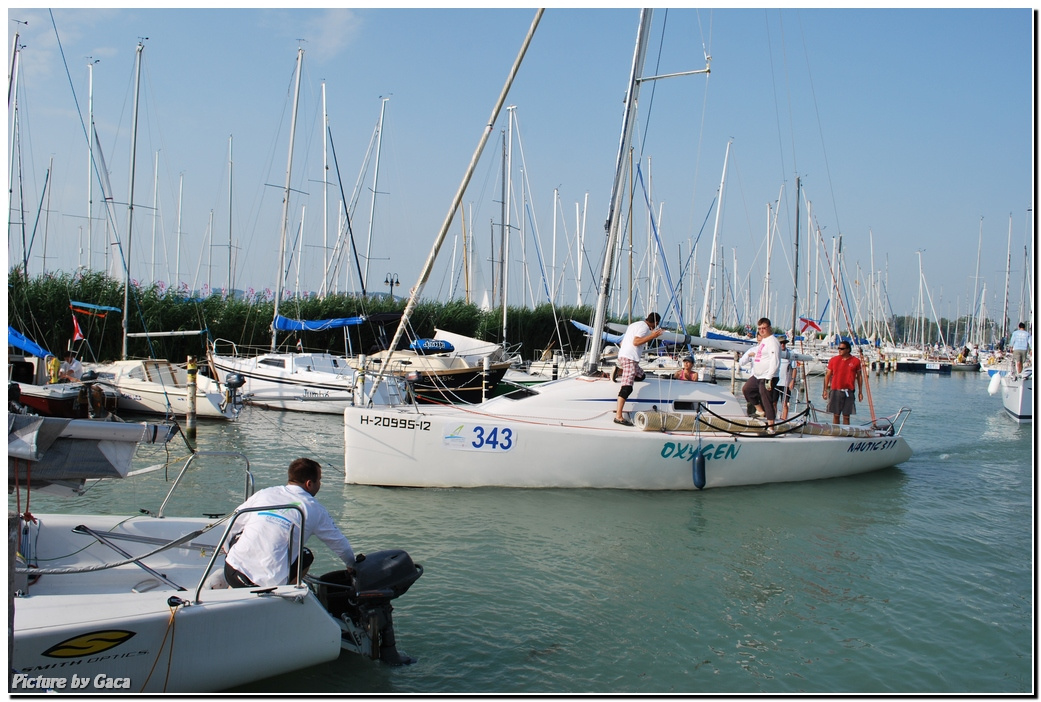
(905, 126)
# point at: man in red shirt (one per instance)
(843, 372)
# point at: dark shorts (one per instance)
(755, 392)
(841, 402)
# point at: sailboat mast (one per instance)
(795, 275)
(1008, 273)
(613, 219)
(231, 168)
(285, 201)
(428, 266)
(130, 199)
(975, 288)
(706, 302)
(90, 160)
(375, 181)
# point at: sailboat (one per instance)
(562, 434)
(306, 382)
(138, 603)
(151, 385)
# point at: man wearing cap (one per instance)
(842, 374)
(630, 352)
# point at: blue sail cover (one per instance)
(286, 324)
(20, 341)
(607, 336)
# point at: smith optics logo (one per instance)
(88, 644)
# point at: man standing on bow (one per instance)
(839, 380)
(766, 359)
(629, 355)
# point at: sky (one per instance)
(911, 133)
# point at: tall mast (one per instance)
(976, 287)
(155, 208)
(1008, 273)
(285, 202)
(231, 166)
(706, 302)
(325, 194)
(375, 182)
(424, 274)
(795, 275)
(90, 160)
(130, 198)
(613, 218)
(508, 192)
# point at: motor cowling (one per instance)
(362, 594)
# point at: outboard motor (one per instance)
(233, 381)
(359, 599)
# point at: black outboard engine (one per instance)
(359, 598)
(233, 381)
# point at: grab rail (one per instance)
(177, 481)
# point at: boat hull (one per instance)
(121, 630)
(69, 400)
(1017, 397)
(942, 368)
(155, 386)
(573, 442)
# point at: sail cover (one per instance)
(18, 340)
(286, 324)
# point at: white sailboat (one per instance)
(1017, 395)
(287, 380)
(134, 603)
(561, 434)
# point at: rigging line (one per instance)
(820, 129)
(773, 86)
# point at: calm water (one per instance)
(915, 579)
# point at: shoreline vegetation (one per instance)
(42, 308)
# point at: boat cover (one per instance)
(21, 341)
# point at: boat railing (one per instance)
(234, 349)
(298, 581)
(249, 488)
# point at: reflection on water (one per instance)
(913, 579)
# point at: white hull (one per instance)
(116, 625)
(1017, 396)
(564, 436)
(155, 386)
(302, 382)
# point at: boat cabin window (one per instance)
(686, 406)
(273, 362)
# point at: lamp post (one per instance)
(390, 281)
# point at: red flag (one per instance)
(809, 324)
(77, 333)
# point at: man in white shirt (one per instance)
(263, 552)
(71, 369)
(1019, 342)
(786, 377)
(759, 389)
(630, 352)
